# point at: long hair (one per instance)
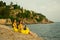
(25, 27)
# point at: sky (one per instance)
(49, 8)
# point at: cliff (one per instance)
(14, 11)
(7, 34)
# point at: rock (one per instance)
(46, 21)
(7, 34)
(5, 21)
(2, 21)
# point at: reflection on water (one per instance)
(47, 31)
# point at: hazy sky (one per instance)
(49, 8)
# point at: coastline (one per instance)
(9, 22)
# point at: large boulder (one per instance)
(7, 34)
(2, 21)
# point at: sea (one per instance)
(46, 31)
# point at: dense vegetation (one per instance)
(14, 11)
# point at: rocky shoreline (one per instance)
(8, 21)
(7, 34)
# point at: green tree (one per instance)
(2, 3)
(5, 13)
(27, 14)
(16, 6)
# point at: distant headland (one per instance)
(13, 11)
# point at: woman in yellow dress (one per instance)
(20, 26)
(15, 26)
(25, 30)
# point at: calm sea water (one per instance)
(47, 31)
